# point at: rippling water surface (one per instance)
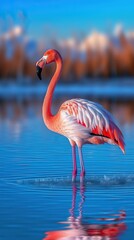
(37, 197)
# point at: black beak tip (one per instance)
(38, 71)
(39, 76)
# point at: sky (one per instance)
(60, 18)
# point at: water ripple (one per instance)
(92, 181)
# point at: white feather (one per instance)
(79, 117)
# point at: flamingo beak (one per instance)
(38, 71)
(40, 65)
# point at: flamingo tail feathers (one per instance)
(119, 138)
(113, 133)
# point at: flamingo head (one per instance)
(48, 57)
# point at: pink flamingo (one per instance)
(80, 120)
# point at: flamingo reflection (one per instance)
(108, 228)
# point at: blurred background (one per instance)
(96, 41)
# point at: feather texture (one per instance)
(85, 120)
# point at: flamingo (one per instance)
(80, 120)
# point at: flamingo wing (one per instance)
(89, 119)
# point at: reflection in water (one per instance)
(24, 108)
(108, 227)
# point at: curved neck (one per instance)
(46, 109)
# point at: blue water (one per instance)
(39, 201)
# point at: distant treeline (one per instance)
(111, 62)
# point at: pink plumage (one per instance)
(81, 121)
(90, 119)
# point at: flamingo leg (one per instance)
(82, 174)
(74, 173)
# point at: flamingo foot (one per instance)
(74, 174)
(82, 176)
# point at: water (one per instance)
(37, 198)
